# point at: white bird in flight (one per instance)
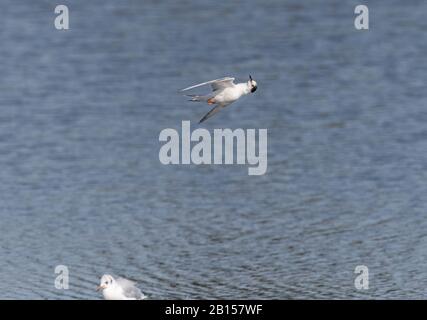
(224, 92)
(119, 289)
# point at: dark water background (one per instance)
(81, 183)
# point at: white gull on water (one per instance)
(119, 289)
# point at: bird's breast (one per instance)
(111, 294)
(229, 95)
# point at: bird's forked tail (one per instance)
(196, 98)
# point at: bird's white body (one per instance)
(225, 92)
(119, 289)
(229, 95)
(115, 293)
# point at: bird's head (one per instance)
(252, 84)
(106, 281)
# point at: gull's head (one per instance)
(107, 281)
(252, 84)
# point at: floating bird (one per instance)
(224, 92)
(119, 289)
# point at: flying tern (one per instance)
(224, 92)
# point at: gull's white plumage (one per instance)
(224, 92)
(119, 289)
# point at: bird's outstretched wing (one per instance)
(216, 84)
(211, 113)
(129, 289)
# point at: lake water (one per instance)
(81, 183)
